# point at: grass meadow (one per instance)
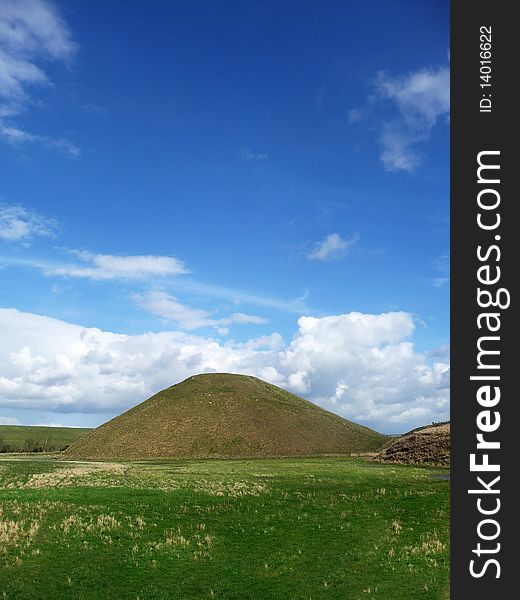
(337, 528)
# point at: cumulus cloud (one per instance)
(109, 266)
(332, 247)
(421, 99)
(31, 33)
(17, 224)
(366, 368)
(168, 307)
(361, 366)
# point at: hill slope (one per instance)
(427, 445)
(31, 438)
(224, 415)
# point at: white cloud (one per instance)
(108, 266)
(242, 318)
(9, 421)
(103, 267)
(168, 307)
(442, 265)
(439, 282)
(14, 137)
(17, 224)
(31, 33)
(421, 98)
(28, 27)
(365, 367)
(61, 144)
(332, 247)
(359, 365)
(398, 153)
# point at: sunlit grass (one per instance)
(237, 529)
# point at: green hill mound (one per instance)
(428, 445)
(224, 415)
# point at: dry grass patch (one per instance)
(65, 476)
(430, 545)
(16, 537)
(233, 489)
(77, 524)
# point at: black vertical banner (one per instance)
(485, 262)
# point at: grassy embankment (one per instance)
(21, 438)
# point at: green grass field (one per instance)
(334, 528)
(21, 438)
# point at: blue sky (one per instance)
(198, 177)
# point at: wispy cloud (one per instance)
(332, 247)
(355, 115)
(442, 265)
(15, 137)
(168, 307)
(17, 224)
(421, 99)
(237, 296)
(246, 154)
(109, 266)
(105, 267)
(32, 32)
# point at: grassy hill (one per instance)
(27, 438)
(429, 445)
(224, 415)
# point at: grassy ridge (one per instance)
(269, 529)
(225, 415)
(25, 438)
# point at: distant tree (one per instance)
(45, 444)
(32, 445)
(6, 446)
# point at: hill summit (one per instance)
(224, 415)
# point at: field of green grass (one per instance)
(21, 438)
(260, 529)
